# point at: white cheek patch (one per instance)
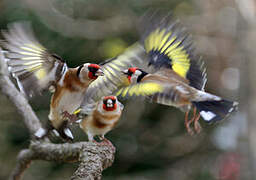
(207, 115)
(137, 73)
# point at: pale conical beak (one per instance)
(99, 72)
(125, 72)
(109, 103)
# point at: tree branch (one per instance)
(23, 161)
(20, 102)
(93, 158)
(93, 162)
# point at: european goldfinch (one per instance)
(36, 69)
(103, 118)
(172, 56)
(168, 88)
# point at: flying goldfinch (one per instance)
(167, 88)
(172, 55)
(171, 73)
(36, 69)
(103, 118)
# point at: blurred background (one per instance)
(151, 140)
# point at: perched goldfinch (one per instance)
(103, 118)
(36, 69)
(166, 87)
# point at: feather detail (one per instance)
(170, 46)
(213, 111)
(113, 78)
(140, 89)
(29, 62)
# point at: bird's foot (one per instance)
(194, 119)
(105, 142)
(71, 117)
(187, 124)
(197, 125)
(189, 130)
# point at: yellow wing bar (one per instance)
(164, 43)
(141, 89)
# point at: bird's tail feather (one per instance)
(213, 111)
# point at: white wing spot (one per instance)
(68, 133)
(56, 133)
(207, 115)
(40, 133)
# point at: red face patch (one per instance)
(96, 66)
(92, 76)
(110, 97)
(131, 71)
(93, 68)
(105, 103)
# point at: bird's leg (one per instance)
(187, 123)
(197, 125)
(71, 117)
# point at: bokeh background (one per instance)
(151, 140)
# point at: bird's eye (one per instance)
(130, 72)
(92, 69)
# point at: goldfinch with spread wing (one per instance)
(179, 74)
(167, 88)
(103, 118)
(175, 74)
(36, 69)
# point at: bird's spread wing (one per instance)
(174, 94)
(113, 78)
(140, 89)
(28, 61)
(170, 46)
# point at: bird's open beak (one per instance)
(99, 72)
